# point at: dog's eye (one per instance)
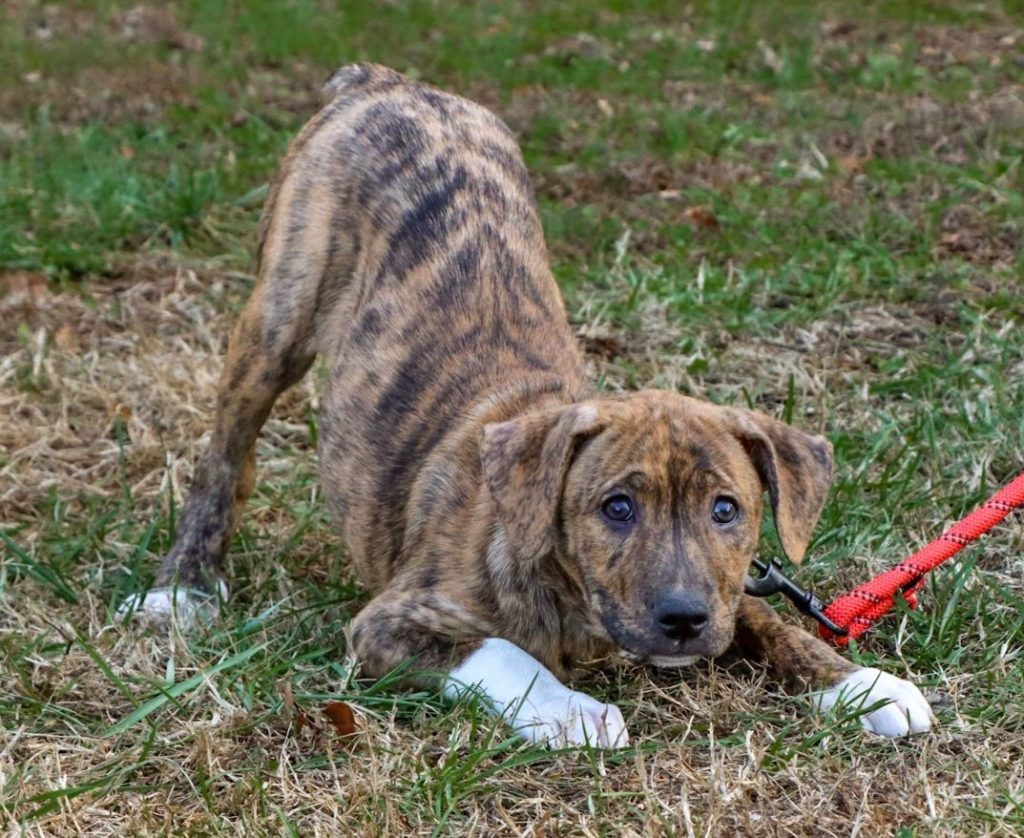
(724, 510)
(618, 508)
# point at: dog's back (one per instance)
(403, 227)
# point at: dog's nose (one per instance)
(681, 616)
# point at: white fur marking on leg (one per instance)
(538, 706)
(183, 606)
(905, 713)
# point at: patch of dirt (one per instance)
(46, 21)
(971, 235)
(139, 89)
(974, 47)
(141, 93)
(155, 25)
(289, 95)
(951, 132)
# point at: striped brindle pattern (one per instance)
(463, 455)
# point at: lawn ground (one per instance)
(813, 209)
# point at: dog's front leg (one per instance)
(801, 660)
(538, 706)
(439, 635)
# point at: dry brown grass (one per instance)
(719, 750)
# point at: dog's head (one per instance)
(654, 500)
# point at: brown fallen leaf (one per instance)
(702, 218)
(342, 717)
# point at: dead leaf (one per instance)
(702, 218)
(342, 717)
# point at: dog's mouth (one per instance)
(650, 648)
(648, 645)
(669, 662)
(661, 661)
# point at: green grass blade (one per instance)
(179, 689)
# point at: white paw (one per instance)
(571, 719)
(906, 711)
(185, 607)
(538, 706)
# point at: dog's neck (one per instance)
(522, 397)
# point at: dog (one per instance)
(509, 522)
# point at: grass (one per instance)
(788, 206)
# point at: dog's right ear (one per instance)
(525, 462)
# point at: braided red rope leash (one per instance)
(857, 610)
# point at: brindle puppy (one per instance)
(509, 522)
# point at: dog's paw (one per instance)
(184, 607)
(573, 718)
(905, 712)
(538, 706)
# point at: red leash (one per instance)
(857, 610)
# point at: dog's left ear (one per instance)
(796, 468)
(525, 462)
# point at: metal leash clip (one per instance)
(774, 581)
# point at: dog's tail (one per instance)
(352, 76)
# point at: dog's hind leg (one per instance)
(189, 579)
(271, 348)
